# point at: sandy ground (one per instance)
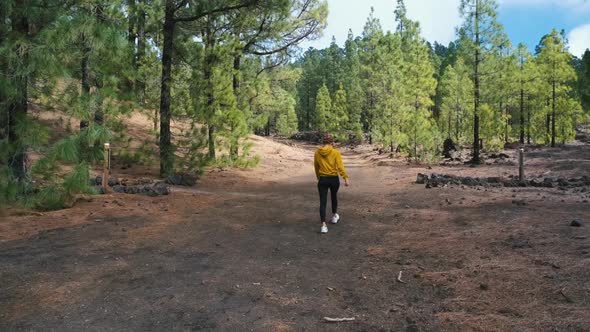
(242, 251)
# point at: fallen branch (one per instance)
(338, 320)
(399, 278)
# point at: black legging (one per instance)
(332, 183)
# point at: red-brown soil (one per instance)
(241, 251)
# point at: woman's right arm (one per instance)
(341, 169)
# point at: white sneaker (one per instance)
(335, 218)
(324, 229)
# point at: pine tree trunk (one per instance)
(234, 149)
(521, 99)
(132, 36)
(17, 110)
(528, 125)
(208, 75)
(457, 126)
(85, 68)
(416, 129)
(553, 118)
(521, 116)
(236, 75)
(501, 107)
(4, 113)
(128, 83)
(141, 47)
(308, 108)
(211, 142)
(369, 129)
(449, 121)
(391, 134)
(98, 112)
(476, 88)
(548, 120)
(507, 124)
(166, 153)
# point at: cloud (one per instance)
(575, 6)
(438, 19)
(579, 39)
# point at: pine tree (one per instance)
(445, 56)
(584, 81)
(92, 48)
(272, 99)
(18, 95)
(418, 81)
(390, 112)
(333, 66)
(457, 101)
(352, 85)
(503, 66)
(22, 61)
(483, 32)
(274, 27)
(270, 30)
(173, 15)
(287, 121)
(526, 76)
(372, 34)
(558, 74)
(338, 117)
(307, 87)
(323, 108)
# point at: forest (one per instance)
(226, 69)
(157, 167)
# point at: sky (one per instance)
(524, 21)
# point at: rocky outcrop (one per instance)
(441, 180)
(156, 189)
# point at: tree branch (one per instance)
(247, 3)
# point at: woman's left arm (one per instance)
(341, 169)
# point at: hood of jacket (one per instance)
(325, 150)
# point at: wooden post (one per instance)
(521, 164)
(105, 174)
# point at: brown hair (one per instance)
(327, 139)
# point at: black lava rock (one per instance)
(448, 146)
(99, 190)
(182, 179)
(113, 181)
(119, 189)
(421, 178)
(161, 189)
(97, 181)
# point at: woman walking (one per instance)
(328, 167)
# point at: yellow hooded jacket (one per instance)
(328, 162)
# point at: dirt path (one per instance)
(242, 252)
